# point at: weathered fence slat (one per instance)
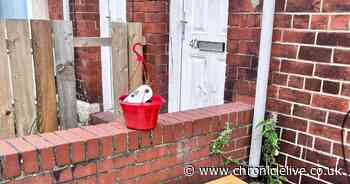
(119, 61)
(135, 68)
(7, 126)
(65, 75)
(22, 75)
(44, 72)
(91, 41)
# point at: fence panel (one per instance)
(7, 126)
(22, 71)
(135, 68)
(44, 72)
(120, 66)
(65, 74)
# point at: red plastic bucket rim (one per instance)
(156, 100)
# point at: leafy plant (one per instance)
(270, 148)
(217, 146)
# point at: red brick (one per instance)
(105, 165)
(331, 87)
(282, 21)
(107, 178)
(292, 123)
(323, 145)
(340, 22)
(155, 27)
(325, 131)
(55, 9)
(338, 149)
(46, 153)
(290, 149)
(341, 56)
(61, 148)
(330, 102)
(10, 160)
(77, 145)
(28, 154)
(319, 21)
(345, 90)
(313, 84)
(145, 139)
(315, 54)
(119, 132)
(83, 170)
(337, 119)
(243, 142)
(133, 142)
(91, 141)
(157, 136)
(41, 179)
(283, 50)
(305, 140)
(63, 175)
(299, 37)
(301, 21)
(105, 140)
(333, 72)
(279, 106)
(336, 6)
(303, 6)
(279, 78)
(289, 135)
(338, 179)
(307, 179)
(333, 39)
(296, 82)
(309, 113)
(297, 67)
(125, 160)
(320, 158)
(294, 96)
(155, 6)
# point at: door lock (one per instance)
(194, 44)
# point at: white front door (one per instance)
(201, 73)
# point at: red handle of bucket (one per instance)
(139, 57)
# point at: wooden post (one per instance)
(135, 68)
(7, 126)
(119, 61)
(65, 75)
(44, 70)
(22, 75)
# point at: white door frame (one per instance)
(176, 31)
(176, 37)
(110, 10)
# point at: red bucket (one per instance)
(141, 116)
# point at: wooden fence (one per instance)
(37, 76)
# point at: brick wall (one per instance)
(85, 19)
(108, 153)
(155, 16)
(86, 23)
(309, 78)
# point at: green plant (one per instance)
(217, 146)
(270, 148)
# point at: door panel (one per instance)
(203, 73)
